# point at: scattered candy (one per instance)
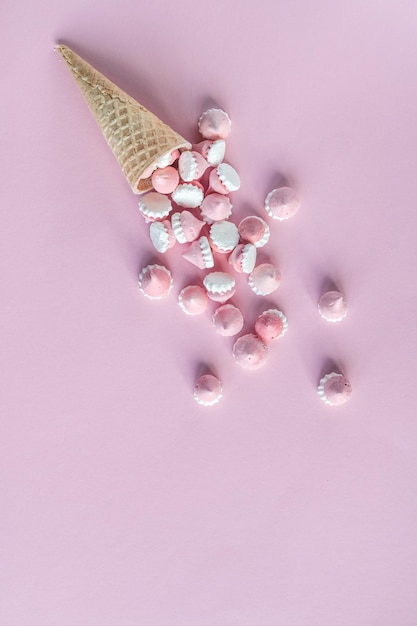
(214, 124)
(155, 281)
(250, 352)
(155, 206)
(220, 286)
(207, 390)
(254, 230)
(332, 306)
(264, 279)
(193, 300)
(271, 324)
(186, 227)
(282, 203)
(334, 389)
(243, 258)
(165, 180)
(162, 235)
(228, 320)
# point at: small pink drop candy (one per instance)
(216, 207)
(165, 180)
(224, 179)
(220, 286)
(332, 306)
(199, 254)
(271, 324)
(186, 226)
(155, 281)
(282, 203)
(214, 124)
(168, 159)
(254, 230)
(162, 235)
(243, 258)
(228, 320)
(193, 300)
(264, 279)
(191, 165)
(188, 195)
(155, 206)
(224, 236)
(207, 390)
(212, 151)
(250, 352)
(334, 389)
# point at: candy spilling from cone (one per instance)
(185, 199)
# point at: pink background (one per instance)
(124, 503)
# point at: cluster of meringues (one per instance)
(185, 200)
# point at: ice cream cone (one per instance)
(136, 136)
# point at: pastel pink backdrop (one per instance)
(124, 503)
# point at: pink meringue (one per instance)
(254, 230)
(155, 281)
(216, 207)
(186, 226)
(220, 286)
(155, 206)
(212, 151)
(165, 180)
(208, 390)
(188, 195)
(224, 236)
(332, 306)
(228, 320)
(243, 258)
(334, 389)
(264, 279)
(224, 179)
(271, 324)
(199, 253)
(250, 352)
(214, 124)
(191, 165)
(162, 235)
(193, 300)
(282, 203)
(168, 159)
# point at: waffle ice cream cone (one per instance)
(136, 136)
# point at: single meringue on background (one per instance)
(264, 279)
(254, 230)
(220, 286)
(282, 203)
(199, 254)
(332, 306)
(334, 389)
(208, 390)
(155, 206)
(250, 352)
(224, 236)
(155, 281)
(193, 300)
(214, 124)
(271, 324)
(228, 320)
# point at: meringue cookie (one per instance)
(186, 226)
(199, 254)
(191, 165)
(162, 235)
(224, 236)
(188, 195)
(254, 230)
(155, 281)
(193, 300)
(216, 207)
(250, 352)
(282, 203)
(228, 320)
(155, 206)
(264, 279)
(214, 124)
(243, 258)
(271, 324)
(212, 151)
(334, 389)
(332, 306)
(208, 390)
(165, 180)
(168, 159)
(224, 179)
(220, 286)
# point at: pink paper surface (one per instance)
(123, 502)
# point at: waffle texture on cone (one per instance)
(136, 136)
